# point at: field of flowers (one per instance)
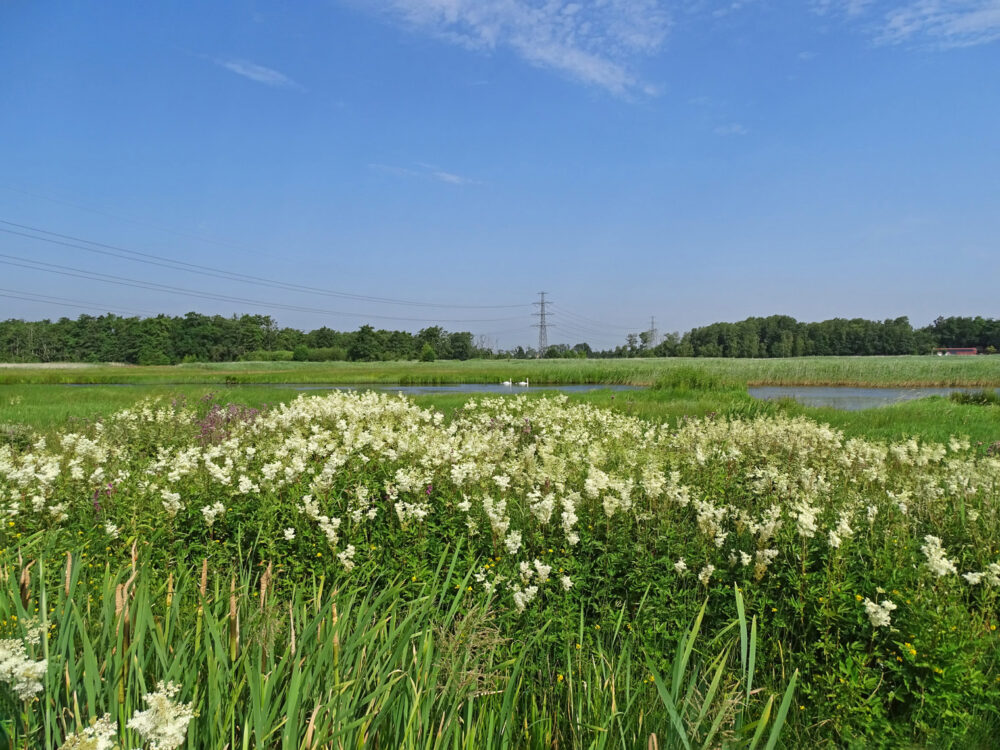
(353, 570)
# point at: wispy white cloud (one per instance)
(450, 178)
(939, 24)
(258, 73)
(425, 171)
(730, 7)
(733, 128)
(943, 23)
(595, 42)
(849, 8)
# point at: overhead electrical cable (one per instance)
(590, 321)
(13, 260)
(137, 256)
(32, 297)
(130, 220)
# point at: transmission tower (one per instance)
(542, 324)
(653, 333)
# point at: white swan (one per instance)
(506, 382)
(524, 383)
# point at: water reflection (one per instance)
(847, 398)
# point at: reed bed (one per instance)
(327, 664)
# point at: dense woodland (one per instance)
(203, 338)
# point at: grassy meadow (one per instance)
(212, 565)
(981, 371)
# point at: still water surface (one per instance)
(849, 399)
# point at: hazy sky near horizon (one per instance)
(692, 160)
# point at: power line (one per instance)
(139, 284)
(32, 297)
(137, 256)
(542, 325)
(117, 217)
(591, 322)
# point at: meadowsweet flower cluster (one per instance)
(23, 674)
(164, 723)
(516, 479)
(879, 612)
(100, 735)
(937, 560)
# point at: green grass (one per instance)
(46, 408)
(981, 371)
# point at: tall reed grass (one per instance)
(328, 664)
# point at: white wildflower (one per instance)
(164, 724)
(100, 735)
(706, 574)
(542, 570)
(111, 530)
(22, 673)
(171, 502)
(567, 584)
(680, 566)
(992, 574)
(211, 512)
(522, 598)
(937, 560)
(513, 542)
(289, 534)
(246, 485)
(805, 520)
(878, 612)
(347, 557)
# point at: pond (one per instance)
(848, 398)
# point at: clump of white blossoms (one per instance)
(24, 675)
(289, 534)
(171, 502)
(937, 560)
(347, 557)
(212, 512)
(805, 519)
(680, 566)
(705, 575)
(842, 532)
(513, 542)
(164, 724)
(878, 612)
(567, 584)
(98, 736)
(523, 598)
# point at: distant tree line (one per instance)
(783, 336)
(215, 338)
(203, 338)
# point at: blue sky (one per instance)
(690, 160)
